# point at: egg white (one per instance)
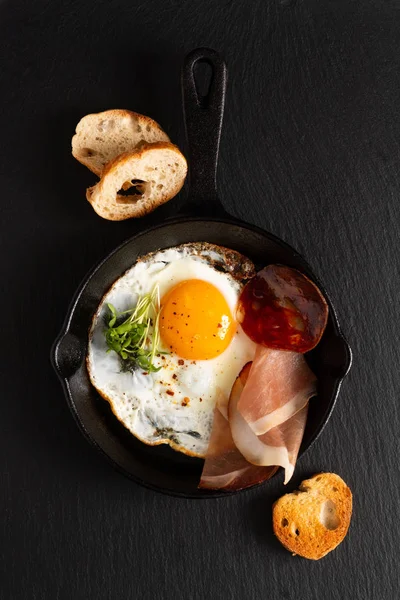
(176, 404)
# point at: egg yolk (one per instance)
(195, 320)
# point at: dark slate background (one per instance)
(310, 151)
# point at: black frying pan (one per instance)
(160, 467)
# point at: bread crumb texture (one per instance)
(101, 137)
(314, 519)
(136, 183)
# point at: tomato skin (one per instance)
(282, 309)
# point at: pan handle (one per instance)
(66, 354)
(203, 122)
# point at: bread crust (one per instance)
(78, 144)
(121, 207)
(314, 520)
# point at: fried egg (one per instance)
(202, 347)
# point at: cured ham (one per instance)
(279, 446)
(281, 308)
(279, 385)
(236, 456)
(225, 467)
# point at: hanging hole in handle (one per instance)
(203, 78)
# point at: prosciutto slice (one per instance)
(279, 385)
(273, 392)
(225, 467)
(279, 446)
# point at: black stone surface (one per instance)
(310, 151)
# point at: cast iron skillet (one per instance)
(160, 467)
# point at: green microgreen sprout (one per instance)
(135, 338)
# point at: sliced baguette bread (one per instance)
(101, 137)
(314, 520)
(154, 174)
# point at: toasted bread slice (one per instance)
(101, 137)
(314, 520)
(155, 174)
